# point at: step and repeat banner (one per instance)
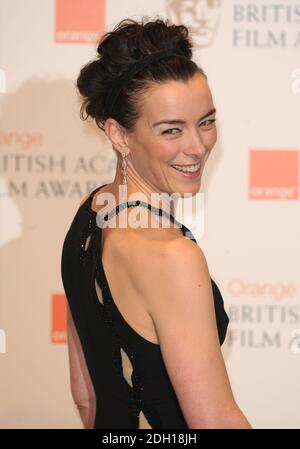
(250, 51)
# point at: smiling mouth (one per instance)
(187, 168)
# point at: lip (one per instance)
(188, 175)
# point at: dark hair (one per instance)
(128, 42)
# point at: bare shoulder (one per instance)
(176, 264)
(172, 277)
(157, 257)
(141, 235)
(175, 255)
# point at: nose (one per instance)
(195, 146)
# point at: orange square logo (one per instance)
(274, 174)
(79, 21)
(59, 318)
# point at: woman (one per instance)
(145, 319)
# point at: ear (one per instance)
(117, 135)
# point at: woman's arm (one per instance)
(81, 385)
(87, 415)
(182, 308)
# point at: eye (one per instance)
(207, 122)
(204, 123)
(168, 131)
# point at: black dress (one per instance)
(131, 384)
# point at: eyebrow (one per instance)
(174, 121)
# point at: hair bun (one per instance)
(183, 47)
(136, 54)
(129, 42)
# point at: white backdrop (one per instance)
(50, 159)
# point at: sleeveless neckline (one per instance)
(158, 211)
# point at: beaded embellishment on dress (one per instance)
(123, 358)
(85, 240)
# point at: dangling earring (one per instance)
(123, 185)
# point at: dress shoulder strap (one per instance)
(158, 211)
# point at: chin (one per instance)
(189, 190)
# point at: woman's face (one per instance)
(157, 145)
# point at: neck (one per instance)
(138, 186)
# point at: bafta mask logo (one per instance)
(202, 17)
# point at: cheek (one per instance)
(211, 138)
(164, 151)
